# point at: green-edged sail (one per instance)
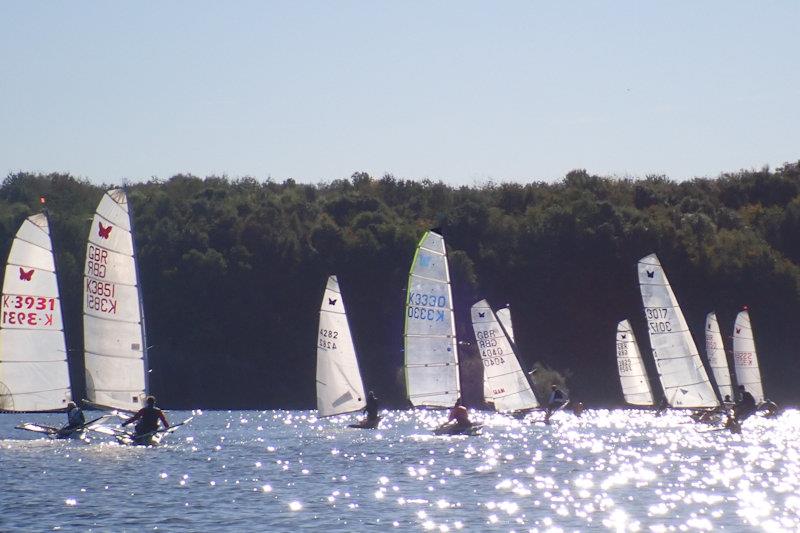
(431, 357)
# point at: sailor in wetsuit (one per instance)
(746, 405)
(556, 400)
(75, 419)
(371, 408)
(148, 417)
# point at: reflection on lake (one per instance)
(282, 470)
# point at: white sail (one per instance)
(113, 328)
(431, 357)
(715, 351)
(510, 388)
(680, 369)
(504, 317)
(34, 375)
(632, 374)
(339, 386)
(745, 360)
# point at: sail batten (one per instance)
(430, 345)
(745, 359)
(509, 386)
(34, 374)
(680, 369)
(113, 322)
(339, 386)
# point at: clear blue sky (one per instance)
(460, 91)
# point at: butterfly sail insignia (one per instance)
(339, 386)
(745, 359)
(632, 374)
(34, 375)
(509, 386)
(717, 360)
(677, 359)
(113, 324)
(431, 357)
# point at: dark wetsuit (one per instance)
(148, 420)
(75, 418)
(745, 407)
(372, 408)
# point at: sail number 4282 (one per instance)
(327, 338)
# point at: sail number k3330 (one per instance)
(422, 307)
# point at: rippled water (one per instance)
(281, 470)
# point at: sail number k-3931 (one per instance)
(20, 310)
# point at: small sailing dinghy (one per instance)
(34, 374)
(431, 357)
(717, 360)
(339, 386)
(632, 373)
(115, 353)
(745, 360)
(114, 340)
(509, 386)
(683, 377)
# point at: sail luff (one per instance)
(510, 388)
(632, 373)
(745, 359)
(717, 360)
(430, 347)
(145, 347)
(339, 386)
(34, 373)
(680, 369)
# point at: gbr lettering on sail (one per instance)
(100, 293)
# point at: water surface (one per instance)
(619, 470)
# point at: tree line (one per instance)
(233, 270)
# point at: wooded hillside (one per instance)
(233, 272)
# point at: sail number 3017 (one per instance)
(656, 319)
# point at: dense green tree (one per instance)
(233, 271)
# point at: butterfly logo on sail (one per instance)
(104, 231)
(650, 273)
(684, 391)
(332, 301)
(482, 315)
(623, 336)
(25, 275)
(738, 330)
